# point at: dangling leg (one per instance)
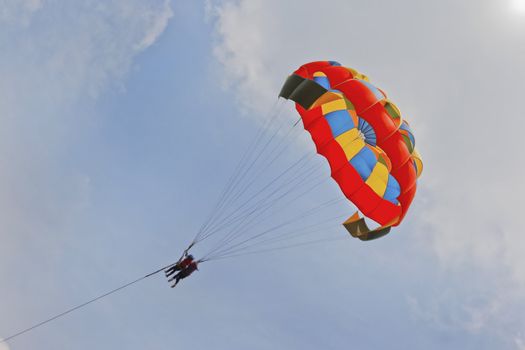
(171, 270)
(168, 271)
(177, 279)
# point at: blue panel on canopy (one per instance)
(340, 122)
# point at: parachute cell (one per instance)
(369, 147)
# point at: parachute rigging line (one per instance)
(264, 164)
(249, 219)
(221, 221)
(323, 240)
(233, 176)
(236, 189)
(234, 233)
(308, 213)
(224, 223)
(238, 247)
(244, 159)
(268, 202)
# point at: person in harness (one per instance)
(183, 263)
(185, 272)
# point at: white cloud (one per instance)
(460, 87)
(518, 6)
(3, 346)
(159, 22)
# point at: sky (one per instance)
(122, 120)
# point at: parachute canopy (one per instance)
(369, 147)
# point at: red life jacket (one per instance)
(185, 263)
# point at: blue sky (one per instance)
(122, 120)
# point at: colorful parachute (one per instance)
(370, 148)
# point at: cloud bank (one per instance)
(58, 58)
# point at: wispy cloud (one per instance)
(57, 58)
(158, 22)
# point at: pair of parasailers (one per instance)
(184, 268)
